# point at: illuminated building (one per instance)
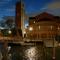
(44, 26)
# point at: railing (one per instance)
(10, 39)
(39, 38)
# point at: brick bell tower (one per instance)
(20, 17)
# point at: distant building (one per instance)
(44, 26)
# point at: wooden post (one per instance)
(5, 51)
(53, 58)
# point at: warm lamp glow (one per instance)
(31, 53)
(51, 27)
(39, 27)
(24, 32)
(34, 21)
(58, 27)
(59, 44)
(30, 29)
(9, 32)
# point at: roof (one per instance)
(46, 17)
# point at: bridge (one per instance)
(19, 40)
(26, 41)
(11, 39)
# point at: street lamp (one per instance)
(53, 57)
(9, 32)
(24, 33)
(30, 28)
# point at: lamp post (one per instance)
(30, 30)
(53, 37)
(24, 34)
(9, 32)
(58, 35)
(5, 51)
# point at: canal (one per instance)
(26, 52)
(36, 51)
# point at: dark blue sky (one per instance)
(38, 6)
(7, 7)
(35, 5)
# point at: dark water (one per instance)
(26, 52)
(30, 52)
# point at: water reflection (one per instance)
(31, 53)
(1, 56)
(27, 52)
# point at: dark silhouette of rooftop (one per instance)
(46, 17)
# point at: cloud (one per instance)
(53, 8)
(54, 5)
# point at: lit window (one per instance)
(39, 27)
(51, 27)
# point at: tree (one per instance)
(9, 23)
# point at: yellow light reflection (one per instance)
(31, 53)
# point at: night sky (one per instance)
(32, 7)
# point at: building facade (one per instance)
(43, 27)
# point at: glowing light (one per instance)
(59, 44)
(51, 27)
(39, 27)
(9, 32)
(30, 53)
(58, 27)
(30, 29)
(34, 21)
(24, 32)
(9, 47)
